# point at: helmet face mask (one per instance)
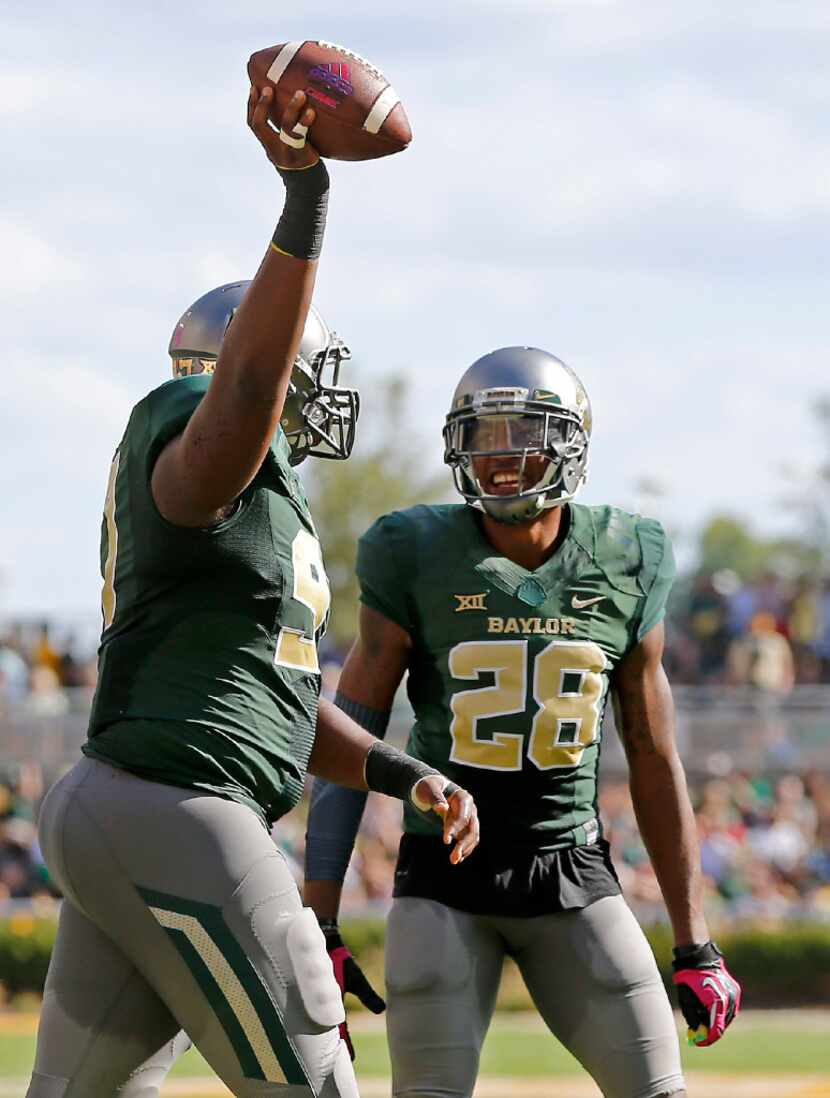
(318, 419)
(523, 417)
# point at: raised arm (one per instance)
(645, 718)
(202, 471)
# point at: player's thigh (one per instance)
(442, 975)
(193, 890)
(103, 1030)
(594, 979)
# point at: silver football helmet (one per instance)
(319, 419)
(519, 403)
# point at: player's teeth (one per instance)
(504, 478)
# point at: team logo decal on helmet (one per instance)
(318, 417)
(517, 434)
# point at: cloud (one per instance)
(60, 421)
(33, 264)
(59, 401)
(18, 92)
(640, 187)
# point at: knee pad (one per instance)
(313, 970)
(425, 948)
(343, 1077)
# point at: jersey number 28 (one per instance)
(567, 685)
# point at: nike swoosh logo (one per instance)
(579, 604)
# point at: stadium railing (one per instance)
(719, 729)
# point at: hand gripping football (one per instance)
(359, 115)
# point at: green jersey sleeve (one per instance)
(384, 567)
(657, 575)
(168, 410)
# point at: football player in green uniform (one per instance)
(179, 911)
(515, 615)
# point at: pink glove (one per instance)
(709, 995)
(349, 976)
(339, 955)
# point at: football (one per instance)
(359, 115)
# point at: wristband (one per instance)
(390, 771)
(695, 956)
(335, 814)
(373, 720)
(300, 229)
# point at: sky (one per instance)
(641, 188)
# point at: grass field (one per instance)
(766, 1055)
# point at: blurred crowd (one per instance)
(765, 846)
(37, 672)
(765, 835)
(765, 849)
(771, 634)
(22, 872)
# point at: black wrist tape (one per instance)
(300, 229)
(695, 956)
(392, 772)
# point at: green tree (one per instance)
(727, 542)
(392, 467)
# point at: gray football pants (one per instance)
(591, 974)
(179, 914)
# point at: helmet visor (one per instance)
(509, 434)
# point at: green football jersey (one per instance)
(510, 669)
(208, 671)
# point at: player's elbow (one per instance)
(653, 762)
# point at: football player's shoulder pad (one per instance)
(635, 555)
(414, 529)
(166, 410)
(394, 551)
(629, 549)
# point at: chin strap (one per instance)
(535, 506)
